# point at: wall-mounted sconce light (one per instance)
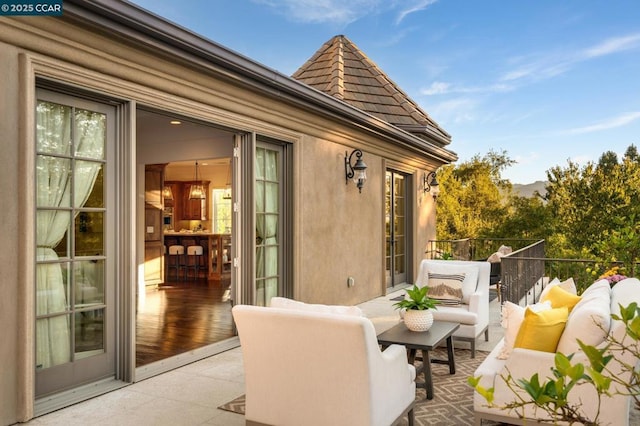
(197, 190)
(357, 171)
(430, 184)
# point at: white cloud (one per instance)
(416, 6)
(611, 123)
(458, 110)
(613, 45)
(323, 11)
(552, 64)
(442, 88)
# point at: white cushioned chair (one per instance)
(309, 365)
(473, 312)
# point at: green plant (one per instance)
(445, 255)
(552, 394)
(418, 300)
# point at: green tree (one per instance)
(592, 205)
(473, 196)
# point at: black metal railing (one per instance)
(472, 248)
(524, 272)
(520, 272)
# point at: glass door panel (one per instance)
(395, 228)
(75, 324)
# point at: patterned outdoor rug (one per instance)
(453, 398)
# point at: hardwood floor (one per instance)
(180, 316)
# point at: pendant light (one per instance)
(227, 190)
(167, 193)
(197, 190)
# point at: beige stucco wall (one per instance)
(339, 233)
(11, 235)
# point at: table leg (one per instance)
(428, 380)
(450, 355)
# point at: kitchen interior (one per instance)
(184, 300)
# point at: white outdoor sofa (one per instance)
(595, 307)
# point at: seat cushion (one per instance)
(458, 313)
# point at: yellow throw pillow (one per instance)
(560, 297)
(541, 331)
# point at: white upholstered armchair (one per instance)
(304, 367)
(473, 311)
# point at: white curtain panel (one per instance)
(55, 188)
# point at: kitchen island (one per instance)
(216, 247)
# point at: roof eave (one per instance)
(154, 31)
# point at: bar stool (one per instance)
(175, 260)
(195, 254)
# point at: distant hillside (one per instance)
(528, 189)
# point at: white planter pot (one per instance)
(418, 320)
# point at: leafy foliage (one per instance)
(418, 300)
(589, 211)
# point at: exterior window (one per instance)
(221, 212)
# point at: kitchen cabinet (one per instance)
(220, 252)
(153, 211)
(194, 209)
(183, 207)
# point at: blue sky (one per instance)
(545, 80)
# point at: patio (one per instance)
(191, 394)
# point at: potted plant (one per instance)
(418, 305)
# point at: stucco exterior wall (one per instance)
(10, 231)
(338, 232)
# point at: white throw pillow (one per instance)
(567, 285)
(470, 276)
(447, 288)
(284, 303)
(589, 321)
(512, 317)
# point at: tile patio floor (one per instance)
(191, 394)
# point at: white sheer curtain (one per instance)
(267, 206)
(56, 189)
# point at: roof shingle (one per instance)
(340, 69)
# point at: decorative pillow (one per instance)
(470, 276)
(560, 297)
(541, 331)
(512, 317)
(568, 285)
(589, 321)
(447, 288)
(284, 303)
(598, 286)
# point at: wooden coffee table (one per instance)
(424, 341)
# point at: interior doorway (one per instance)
(184, 288)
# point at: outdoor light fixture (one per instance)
(357, 171)
(197, 190)
(430, 184)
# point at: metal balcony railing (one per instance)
(523, 273)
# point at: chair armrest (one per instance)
(479, 303)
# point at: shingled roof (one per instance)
(340, 69)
